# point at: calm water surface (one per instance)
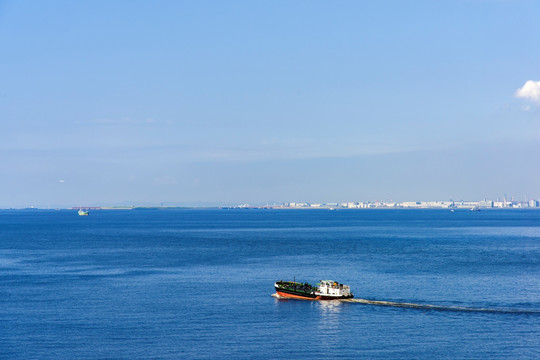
(197, 284)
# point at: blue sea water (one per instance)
(197, 284)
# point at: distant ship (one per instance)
(325, 290)
(83, 212)
(475, 208)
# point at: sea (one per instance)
(198, 284)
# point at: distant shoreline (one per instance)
(157, 208)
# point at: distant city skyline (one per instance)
(504, 202)
(222, 103)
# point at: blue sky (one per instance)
(228, 102)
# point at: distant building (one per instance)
(485, 204)
(416, 204)
(412, 204)
(467, 204)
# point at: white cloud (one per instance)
(530, 91)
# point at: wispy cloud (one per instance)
(280, 149)
(127, 121)
(530, 91)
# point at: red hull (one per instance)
(319, 297)
(292, 296)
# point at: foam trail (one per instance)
(430, 307)
(440, 307)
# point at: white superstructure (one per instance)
(331, 288)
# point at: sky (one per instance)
(202, 103)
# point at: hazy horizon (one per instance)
(223, 103)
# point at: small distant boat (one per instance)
(325, 290)
(83, 212)
(475, 208)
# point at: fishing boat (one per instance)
(83, 212)
(325, 290)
